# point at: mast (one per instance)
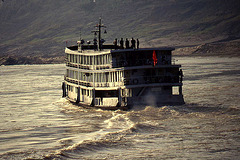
(99, 34)
(98, 30)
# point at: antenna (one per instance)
(80, 36)
(98, 30)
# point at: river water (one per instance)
(36, 123)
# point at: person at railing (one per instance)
(127, 43)
(133, 46)
(137, 44)
(121, 43)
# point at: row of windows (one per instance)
(98, 77)
(89, 60)
(111, 93)
(117, 76)
(82, 91)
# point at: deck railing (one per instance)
(128, 81)
(88, 67)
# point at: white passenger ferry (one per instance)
(120, 76)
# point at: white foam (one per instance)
(119, 121)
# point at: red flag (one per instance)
(154, 57)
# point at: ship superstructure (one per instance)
(116, 77)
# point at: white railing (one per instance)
(109, 101)
(131, 81)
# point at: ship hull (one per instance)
(150, 96)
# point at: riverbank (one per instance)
(221, 48)
(15, 60)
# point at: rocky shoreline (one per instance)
(223, 49)
(14, 60)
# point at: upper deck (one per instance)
(98, 55)
(116, 58)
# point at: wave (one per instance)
(119, 130)
(110, 136)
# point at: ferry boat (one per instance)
(119, 77)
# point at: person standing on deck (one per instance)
(127, 43)
(133, 43)
(121, 43)
(137, 44)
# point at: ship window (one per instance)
(76, 75)
(94, 60)
(98, 60)
(175, 90)
(71, 73)
(81, 59)
(90, 92)
(100, 77)
(88, 60)
(67, 73)
(84, 59)
(91, 77)
(68, 57)
(91, 61)
(111, 93)
(72, 58)
(76, 90)
(104, 59)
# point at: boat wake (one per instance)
(110, 136)
(120, 129)
(119, 132)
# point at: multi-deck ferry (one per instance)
(120, 76)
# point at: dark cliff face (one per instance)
(36, 27)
